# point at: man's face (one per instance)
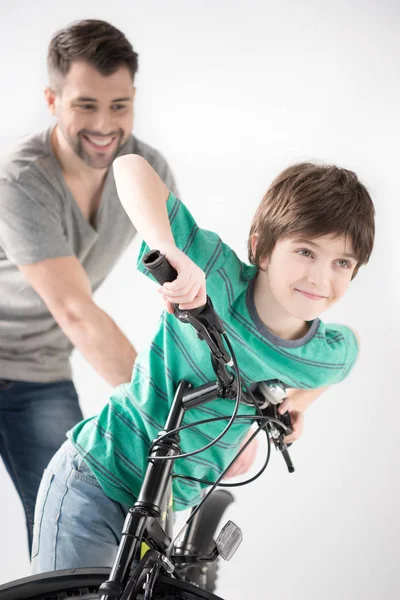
(305, 277)
(94, 112)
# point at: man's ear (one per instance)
(51, 100)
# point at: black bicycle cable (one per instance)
(242, 449)
(158, 441)
(266, 461)
(220, 435)
(203, 422)
(217, 483)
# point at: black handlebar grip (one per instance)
(163, 272)
(159, 267)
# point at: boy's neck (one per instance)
(274, 316)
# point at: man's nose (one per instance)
(102, 122)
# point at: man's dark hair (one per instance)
(96, 42)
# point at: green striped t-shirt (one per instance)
(115, 443)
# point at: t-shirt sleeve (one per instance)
(350, 350)
(168, 178)
(204, 247)
(31, 227)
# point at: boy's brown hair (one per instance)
(97, 42)
(314, 200)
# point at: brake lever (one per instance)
(204, 319)
(209, 328)
(269, 396)
(278, 434)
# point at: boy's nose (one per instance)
(319, 276)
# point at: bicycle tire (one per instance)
(83, 584)
(51, 586)
(167, 588)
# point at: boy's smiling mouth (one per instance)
(310, 295)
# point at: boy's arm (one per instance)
(296, 403)
(299, 400)
(144, 195)
(302, 399)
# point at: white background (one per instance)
(232, 92)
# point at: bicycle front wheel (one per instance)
(57, 585)
(84, 584)
(167, 588)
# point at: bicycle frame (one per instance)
(143, 519)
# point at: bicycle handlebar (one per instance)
(204, 319)
(210, 328)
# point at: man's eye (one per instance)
(86, 106)
(118, 107)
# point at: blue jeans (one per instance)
(34, 418)
(76, 524)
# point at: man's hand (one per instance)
(245, 460)
(64, 287)
(296, 417)
(189, 288)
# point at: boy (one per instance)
(310, 234)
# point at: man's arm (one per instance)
(63, 285)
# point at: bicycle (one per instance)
(150, 562)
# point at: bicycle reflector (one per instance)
(229, 540)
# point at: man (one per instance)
(62, 228)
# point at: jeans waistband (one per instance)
(69, 448)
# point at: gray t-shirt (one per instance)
(40, 219)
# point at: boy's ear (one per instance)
(253, 243)
(263, 264)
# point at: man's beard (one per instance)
(96, 160)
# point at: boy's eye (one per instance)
(118, 107)
(343, 263)
(304, 252)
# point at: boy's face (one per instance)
(305, 277)
(94, 112)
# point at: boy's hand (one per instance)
(245, 460)
(189, 288)
(297, 419)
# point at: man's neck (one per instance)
(274, 316)
(72, 166)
